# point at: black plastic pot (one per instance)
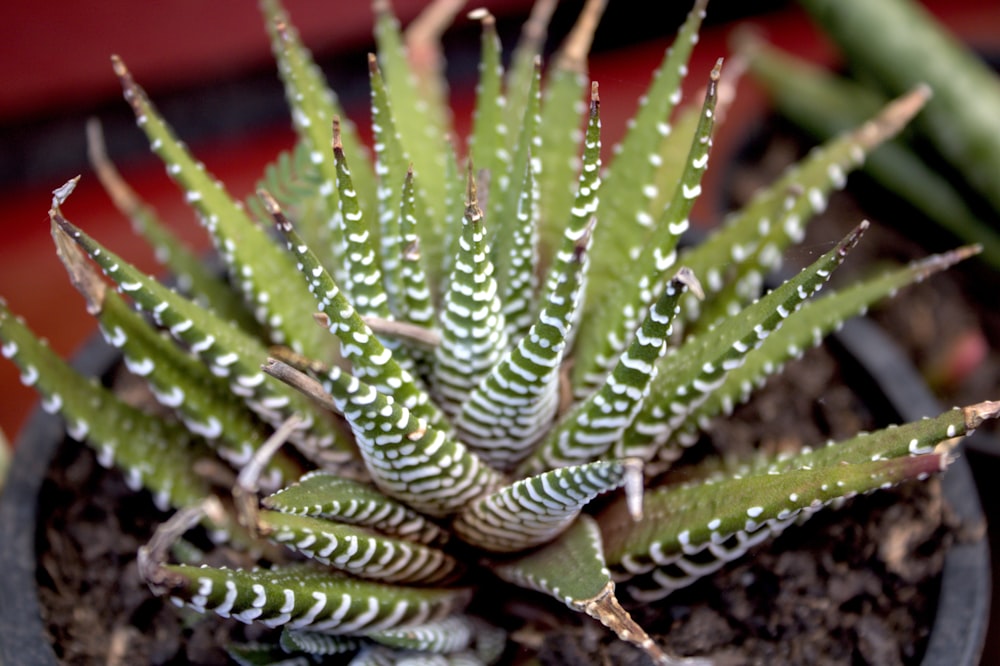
(886, 379)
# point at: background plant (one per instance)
(513, 335)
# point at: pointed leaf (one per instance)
(408, 459)
(693, 371)
(473, 335)
(261, 270)
(535, 510)
(151, 452)
(301, 597)
(360, 552)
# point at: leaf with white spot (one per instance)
(562, 116)
(421, 117)
(641, 277)
(227, 350)
(625, 209)
(416, 299)
(512, 196)
(733, 260)
(193, 275)
(688, 531)
(451, 634)
(805, 328)
(314, 106)
(488, 142)
(269, 654)
(262, 271)
(689, 374)
(152, 453)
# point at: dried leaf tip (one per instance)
(687, 277)
(338, 146)
(482, 14)
(274, 210)
(894, 116)
(81, 274)
(121, 71)
(853, 238)
(976, 415)
(61, 193)
(595, 98)
(573, 53)
(373, 64)
(121, 194)
(584, 240)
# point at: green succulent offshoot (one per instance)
(445, 436)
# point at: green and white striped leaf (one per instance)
(515, 403)
(360, 552)
(451, 634)
(416, 301)
(317, 642)
(408, 459)
(592, 427)
(642, 276)
(267, 654)
(535, 510)
(260, 269)
(473, 334)
(693, 371)
(371, 359)
(324, 495)
(303, 597)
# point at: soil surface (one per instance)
(855, 585)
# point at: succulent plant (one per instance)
(498, 344)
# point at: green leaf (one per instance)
(301, 597)
(572, 569)
(488, 143)
(152, 453)
(259, 268)
(515, 403)
(360, 552)
(324, 495)
(451, 634)
(692, 372)
(535, 510)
